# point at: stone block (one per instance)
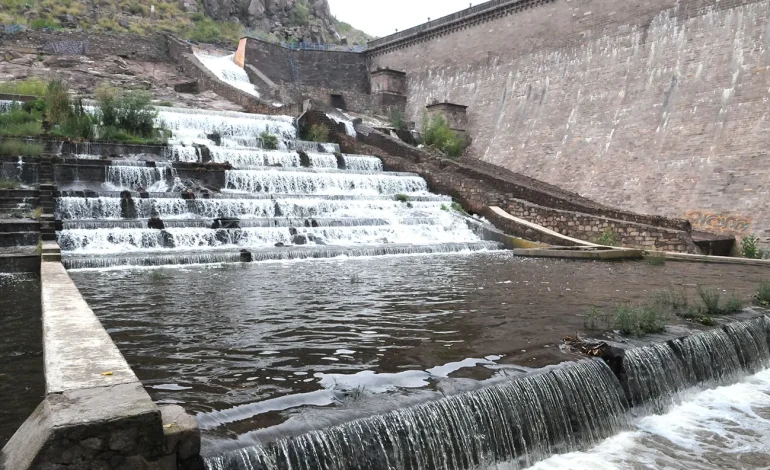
(189, 86)
(181, 433)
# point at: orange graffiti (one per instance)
(719, 222)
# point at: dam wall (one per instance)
(658, 107)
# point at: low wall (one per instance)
(96, 413)
(150, 48)
(478, 186)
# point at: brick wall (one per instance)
(151, 48)
(656, 107)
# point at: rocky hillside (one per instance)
(216, 21)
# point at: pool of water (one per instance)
(254, 348)
(22, 385)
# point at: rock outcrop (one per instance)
(289, 20)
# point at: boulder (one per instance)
(246, 256)
(156, 223)
(299, 240)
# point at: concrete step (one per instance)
(51, 257)
(18, 239)
(48, 237)
(19, 225)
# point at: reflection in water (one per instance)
(21, 351)
(250, 347)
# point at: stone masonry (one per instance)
(657, 107)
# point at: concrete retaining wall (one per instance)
(151, 48)
(96, 413)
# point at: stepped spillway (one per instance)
(301, 200)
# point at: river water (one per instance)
(21, 351)
(265, 347)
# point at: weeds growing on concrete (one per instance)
(762, 296)
(269, 141)
(437, 135)
(655, 260)
(318, 133)
(36, 213)
(457, 207)
(639, 321)
(749, 248)
(608, 238)
(6, 183)
(18, 148)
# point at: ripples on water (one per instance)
(267, 345)
(726, 427)
(21, 351)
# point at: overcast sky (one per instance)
(382, 17)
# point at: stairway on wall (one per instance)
(298, 201)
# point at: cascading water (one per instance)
(228, 71)
(274, 202)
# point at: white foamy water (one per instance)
(228, 71)
(722, 428)
(283, 182)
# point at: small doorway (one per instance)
(338, 101)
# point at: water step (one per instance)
(289, 253)
(18, 239)
(234, 195)
(92, 224)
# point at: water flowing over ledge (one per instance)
(519, 423)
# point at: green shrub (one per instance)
(57, 103)
(127, 116)
(397, 120)
(763, 293)
(444, 207)
(672, 301)
(6, 183)
(28, 86)
(16, 148)
(712, 306)
(608, 238)
(300, 13)
(269, 141)
(749, 248)
(18, 121)
(318, 133)
(456, 206)
(437, 135)
(402, 198)
(44, 23)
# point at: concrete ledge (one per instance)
(670, 256)
(96, 413)
(591, 253)
(538, 231)
(20, 263)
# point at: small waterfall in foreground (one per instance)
(228, 71)
(655, 374)
(521, 421)
(275, 182)
(515, 424)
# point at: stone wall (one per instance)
(151, 48)
(478, 186)
(657, 107)
(313, 74)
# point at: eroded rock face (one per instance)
(278, 16)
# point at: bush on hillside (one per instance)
(300, 13)
(269, 141)
(318, 133)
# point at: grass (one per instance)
(15, 148)
(639, 321)
(456, 206)
(204, 29)
(762, 296)
(28, 86)
(6, 183)
(36, 213)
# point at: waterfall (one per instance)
(133, 177)
(655, 374)
(240, 157)
(228, 71)
(276, 182)
(519, 421)
(362, 162)
(321, 160)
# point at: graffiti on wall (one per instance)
(67, 47)
(719, 222)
